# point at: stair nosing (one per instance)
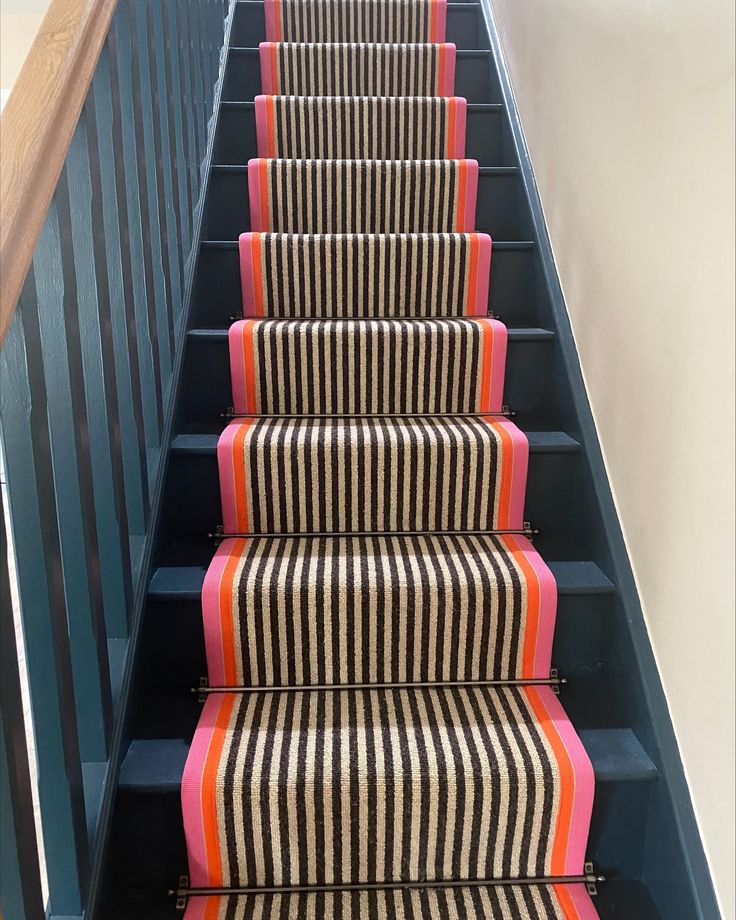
(471, 106)
(498, 246)
(206, 442)
(515, 333)
(482, 170)
(144, 767)
(459, 52)
(599, 584)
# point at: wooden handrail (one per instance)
(36, 128)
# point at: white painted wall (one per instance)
(19, 22)
(628, 111)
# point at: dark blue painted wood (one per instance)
(20, 876)
(32, 504)
(57, 323)
(94, 372)
(163, 133)
(88, 377)
(176, 106)
(130, 186)
(172, 23)
(183, 69)
(157, 258)
(110, 213)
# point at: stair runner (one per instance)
(356, 759)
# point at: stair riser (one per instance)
(529, 367)
(227, 214)
(486, 138)
(464, 26)
(192, 498)
(473, 76)
(515, 287)
(579, 646)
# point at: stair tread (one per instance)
(498, 245)
(539, 442)
(482, 170)
(515, 333)
(472, 106)
(157, 764)
(185, 582)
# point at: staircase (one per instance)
(380, 451)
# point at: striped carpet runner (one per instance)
(359, 367)
(370, 127)
(362, 275)
(355, 20)
(363, 196)
(293, 69)
(375, 743)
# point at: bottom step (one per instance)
(471, 902)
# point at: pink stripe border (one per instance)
(499, 341)
(582, 902)
(254, 195)
(483, 279)
(441, 21)
(211, 613)
(246, 274)
(519, 471)
(582, 808)
(196, 907)
(471, 196)
(450, 56)
(261, 126)
(227, 472)
(547, 603)
(191, 792)
(264, 55)
(237, 365)
(460, 121)
(269, 8)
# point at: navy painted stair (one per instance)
(632, 835)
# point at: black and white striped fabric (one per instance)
(365, 275)
(365, 367)
(355, 20)
(362, 196)
(377, 609)
(514, 902)
(373, 579)
(352, 69)
(360, 127)
(316, 475)
(384, 785)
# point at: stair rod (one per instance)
(231, 414)
(552, 681)
(332, 318)
(589, 879)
